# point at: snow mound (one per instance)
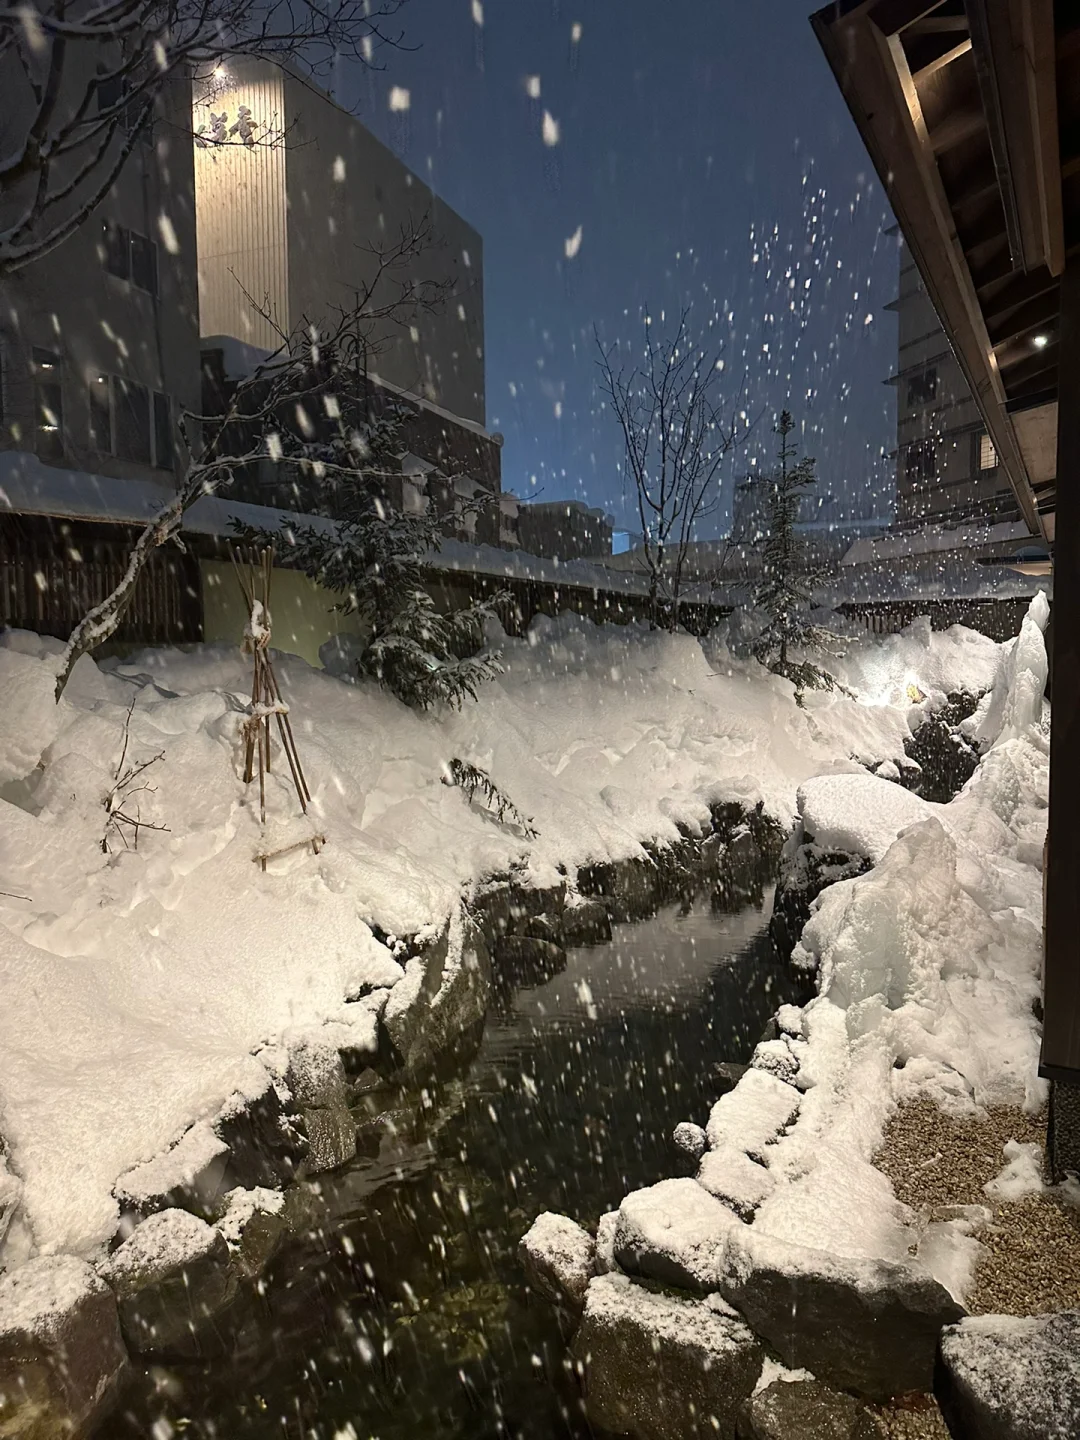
(858, 814)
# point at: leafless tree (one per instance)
(676, 434)
(289, 391)
(83, 80)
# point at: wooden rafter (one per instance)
(876, 80)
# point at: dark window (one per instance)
(163, 432)
(117, 250)
(132, 415)
(101, 436)
(143, 263)
(922, 389)
(110, 91)
(920, 461)
(48, 404)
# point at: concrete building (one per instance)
(564, 530)
(291, 223)
(947, 469)
(99, 356)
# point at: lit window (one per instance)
(48, 403)
(101, 431)
(988, 457)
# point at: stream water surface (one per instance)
(404, 1314)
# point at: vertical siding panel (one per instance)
(240, 210)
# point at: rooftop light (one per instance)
(1040, 341)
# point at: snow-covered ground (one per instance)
(137, 986)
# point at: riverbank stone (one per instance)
(585, 922)
(805, 1410)
(253, 1226)
(62, 1359)
(432, 1016)
(527, 959)
(559, 1258)
(1004, 1378)
(173, 1284)
(265, 1140)
(673, 1232)
(661, 1367)
(869, 1326)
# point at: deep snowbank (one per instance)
(136, 986)
(928, 967)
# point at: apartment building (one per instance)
(947, 469)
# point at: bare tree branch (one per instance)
(88, 81)
(676, 433)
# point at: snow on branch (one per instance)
(473, 781)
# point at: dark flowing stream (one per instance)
(404, 1313)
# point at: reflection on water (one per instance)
(404, 1314)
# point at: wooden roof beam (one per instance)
(1013, 45)
(876, 81)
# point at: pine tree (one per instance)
(347, 457)
(786, 588)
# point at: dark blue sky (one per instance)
(695, 139)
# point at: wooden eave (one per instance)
(971, 115)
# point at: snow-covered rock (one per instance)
(737, 1181)
(253, 1226)
(559, 1258)
(62, 1360)
(1003, 1378)
(805, 1410)
(754, 1113)
(661, 1368)
(442, 998)
(673, 1232)
(173, 1281)
(691, 1139)
(858, 814)
(865, 1325)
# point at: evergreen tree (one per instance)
(785, 590)
(347, 460)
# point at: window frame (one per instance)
(922, 387)
(984, 446)
(925, 447)
(125, 392)
(109, 448)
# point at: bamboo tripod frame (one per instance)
(266, 702)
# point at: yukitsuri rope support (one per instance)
(266, 702)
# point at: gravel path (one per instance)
(1031, 1252)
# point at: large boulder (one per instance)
(253, 1227)
(266, 1142)
(585, 922)
(433, 1015)
(316, 1077)
(559, 1259)
(673, 1232)
(174, 1285)
(660, 1367)
(752, 1114)
(62, 1360)
(1003, 1378)
(805, 1410)
(525, 960)
(870, 1326)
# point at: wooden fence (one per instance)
(51, 575)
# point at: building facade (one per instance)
(947, 469)
(564, 530)
(290, 226)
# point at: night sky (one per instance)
(694, 140)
